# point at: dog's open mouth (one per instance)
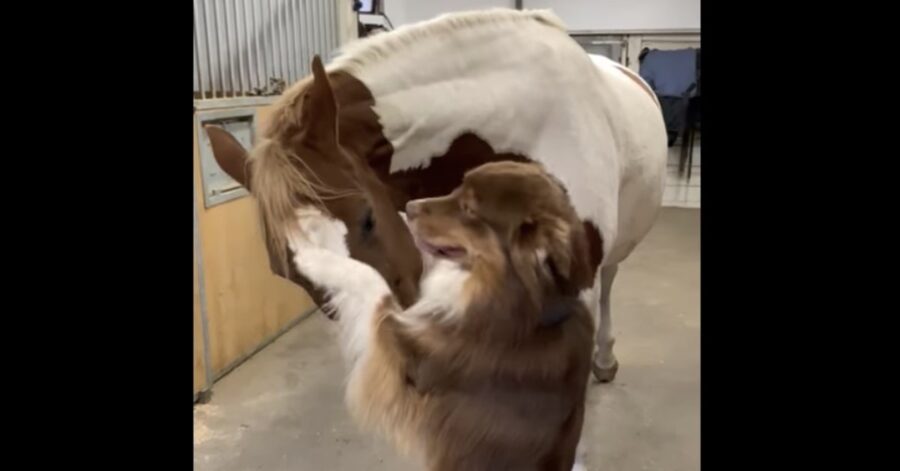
(441, 251)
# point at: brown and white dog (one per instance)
(488, 369)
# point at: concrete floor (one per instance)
(283, 409)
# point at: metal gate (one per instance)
(245, 48)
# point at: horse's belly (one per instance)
(640, 128)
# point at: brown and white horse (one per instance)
(403, 115)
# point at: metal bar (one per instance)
(329, 10)
(307, 37)
(200, 14)
(326, 29)
(295, 44)
(276, 30)
(267, 49)
(285, 52)
(215, 30)
(212, 79)
(292, 44)
(196, 74)
(256, 30)
(312, 27)
(240, 47)
(301, 49)
(336, 26)
(329, 30)
(247, 46)
(276, 49)
(315, 27)
(240, 39)
(271, 27)
(323, 30)
(197, 54)
(679, 31)
(286, 37)
(228, 61)
(289, 42)
(322, 24)
(276, 41)
(264, 47)
(219, 103)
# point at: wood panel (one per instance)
(246, 304)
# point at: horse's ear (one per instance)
(318, 115)
(230, 154)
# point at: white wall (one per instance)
(623, 14)
(410, 11)
(578, 14)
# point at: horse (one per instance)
(404, 115)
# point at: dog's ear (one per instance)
(557, 235)
(541, 252)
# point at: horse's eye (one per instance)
(368, 224)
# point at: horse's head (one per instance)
(299, 164)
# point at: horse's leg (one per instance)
(605, 364)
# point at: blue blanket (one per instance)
(670, 73)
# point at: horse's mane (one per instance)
(280, 187)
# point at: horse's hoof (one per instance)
(605, 374)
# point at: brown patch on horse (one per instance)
(595, 244)
(446, 171)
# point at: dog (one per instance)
(488, 370)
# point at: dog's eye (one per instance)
(368, 223)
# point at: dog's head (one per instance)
(506, 218)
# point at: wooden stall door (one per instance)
(246, 305)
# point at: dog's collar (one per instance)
(555, 312)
